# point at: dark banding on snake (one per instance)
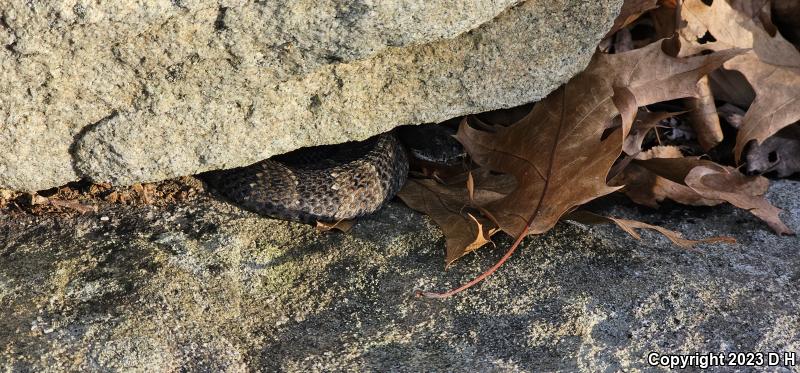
(332, 182)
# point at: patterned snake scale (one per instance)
(325, 183)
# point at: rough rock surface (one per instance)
(141, 91)
(206, 286)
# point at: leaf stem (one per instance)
(485, 274)
(528, 223)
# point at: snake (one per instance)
(331, 183)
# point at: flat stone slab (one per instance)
(128, 93)
(207, 286)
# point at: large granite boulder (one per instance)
(141, 91)
(205, 286)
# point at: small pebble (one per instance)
(104, 218)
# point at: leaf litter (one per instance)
(604, 131)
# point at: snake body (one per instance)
(325, 183)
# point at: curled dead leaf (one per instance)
(779, 153)
(703, 116)
(452, 208)
(745, 192)
(630, 227)
(712, 183)
(772, 67)
(645, 187)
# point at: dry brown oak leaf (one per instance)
(728, 184)
(647, 188)
(630, 227)
(453, 208)
(779, 153)
(772, 67)
(558, 153)
(703, 116)
(715, 184)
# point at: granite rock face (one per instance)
(141, 91)
(208, 287)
